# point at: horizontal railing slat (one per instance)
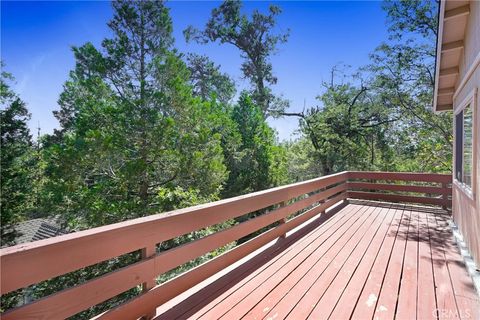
(76, 251)
(102, 288)
(73, 300)
(395, 198)
(168, 260)
(398, 187)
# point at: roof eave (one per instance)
(441, 15)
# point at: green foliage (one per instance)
(131, 127)
(207, 80)
(351, 122)
(261, 163)
(414, 16)
(134, 140)
(257, 42)
(386, 122)
(16, 199)
(299, 155)
(71, 279)
(403, 72)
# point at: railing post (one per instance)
(148, 252)
(347, 191)
(283, 220)
(322, 201)
(445, 195)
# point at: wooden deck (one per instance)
(309, 255)
(368, 260)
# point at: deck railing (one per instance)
(429, 188)
(288, 207)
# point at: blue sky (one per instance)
(36, 40)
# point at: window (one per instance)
(464, 146)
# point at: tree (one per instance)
(131, 127)
(134, 140)
(208, 81)
(412, 16)
(386, 122)
(261, 163)
(403, 73)
(16, 161)
(300, 164)
(257, 42)
(350, 131)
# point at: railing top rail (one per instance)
(401, 176)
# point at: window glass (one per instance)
(459, 146)
(467, 146)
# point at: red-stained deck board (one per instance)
(370, 268)
(222, 288)
(341, 220)
(284, 306)
(245, 298)
(384, 307)
(463, 289)
(370, 260)
(308, 302)
(407, 297)
(426, 302)
(300, 279)
(358, 263)
(446, 304)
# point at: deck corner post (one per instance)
(445, 196)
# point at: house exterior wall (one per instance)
(466, 206)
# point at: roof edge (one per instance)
(441, 15)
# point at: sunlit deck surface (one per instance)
(364, 260)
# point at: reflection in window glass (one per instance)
(459, 146)
(467, 145)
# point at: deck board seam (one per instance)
(424, 218)
(449, 272)
(312, 265)
(389, 262)
(435, 229)
(320, 275)
(397, 212)
(403, 263)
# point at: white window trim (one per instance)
(470, 99)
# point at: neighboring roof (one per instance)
(37, 229)
(452, 22)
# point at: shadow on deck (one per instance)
(362, 260)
